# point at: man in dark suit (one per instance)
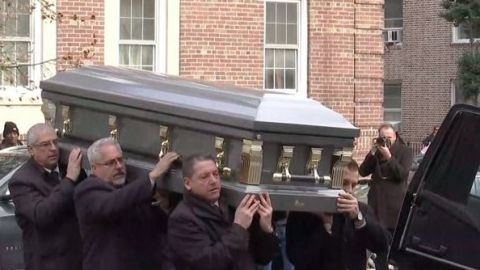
(44, 203)
(389, 163)
(335, 241)
(119, 226)
(203, 235)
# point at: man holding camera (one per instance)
(389, 163)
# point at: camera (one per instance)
(383, 141)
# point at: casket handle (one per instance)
(164, 142)
(220, 148)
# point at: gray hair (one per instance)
(34, 132)
(93, 153)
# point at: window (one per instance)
(460, 34)
(15, 42)
(393, 21)
(458, 97)
(138, 47)
(282, 26)
(392, 103)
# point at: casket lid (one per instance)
(254, 110)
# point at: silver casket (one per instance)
(292, 147)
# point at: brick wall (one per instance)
(425, 63)
(222, 41)
(346, 62)
(80, 28)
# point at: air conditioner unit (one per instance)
(393, 36)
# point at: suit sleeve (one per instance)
(368, 165)
(373, 235)
(41, 210)
(188, 241)
(398, 167)
(263, 245)
(100, 202)
(303, 238)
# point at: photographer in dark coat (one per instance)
(203, 235)
(389, 163)
(42, 191)
(120, 228)
(335, 241)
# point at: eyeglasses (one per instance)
(47, 144)
(112, 162)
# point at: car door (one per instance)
(439, 224)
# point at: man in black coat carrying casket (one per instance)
(202, 234)
(120, 227)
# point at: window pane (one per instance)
(270, 17)
(463, 32)
(290, 78)
(9, 51)
(125, 8)
(393, 9)
(137, 8)
(2, 23)
(124, 55)
(125, 29)
(392, 96)
(149, 8)
(281, 34)
(135, 55)
(392, 116)
(270, 33)
(22, 75)
(290, 59)
(149, 68)
(269, 58)
(279, 79)
(149, 29)
(147, 55)
(10, 26)
(10, 7)
(22, 52)
(23, 6)
(23, 25)
(292, 13)
(292, 34)
(281, 13)
(279, 58)
(269, 78)
(136, 28)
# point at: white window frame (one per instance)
(35, 53)
(453, 94)
(159, 42)
(457, 40)
(302, 48)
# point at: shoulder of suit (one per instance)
(26, 173)
(92, 182)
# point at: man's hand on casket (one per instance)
(245, 211)
(348, 204)
(74, 165)
(162, 166)
(265, 211)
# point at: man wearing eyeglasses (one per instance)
(119, 226)
(44, 203)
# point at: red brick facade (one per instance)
(223, 41)
(80, 31)
(425, 64)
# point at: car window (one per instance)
(9, 161)
(475, 191)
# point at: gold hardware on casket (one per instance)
(220, 148)
(339, 168)
(283, 172)
(164, 142)
(67, 122)
(252, 159)
(113, 125)
(312, 164)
